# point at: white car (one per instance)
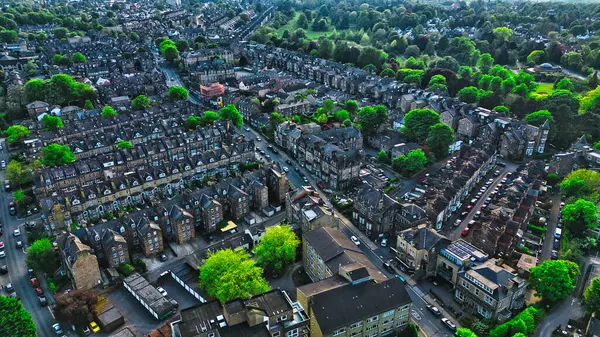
(449, 324)
(162, 291)
(17, 232)
(258, 139)
(2, 254)
(355, 240)
(286, 169)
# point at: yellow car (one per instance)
(95, 328)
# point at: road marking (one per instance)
(418, 291)
(415, 315)
(51, 313)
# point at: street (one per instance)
(550, 227)
(17, 269)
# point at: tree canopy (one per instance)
(14, 319)
(439, 139)
(56, 155)
(141, 102)
(411, 163)
(52, 122)
(76, 307)
(417, 123)
(554, 280)
(231, 113)
(277, 248)
(579, 216)
(108, 112)
(592, 296)
(16, 133)
(60, 89)
(41, 257)
(228, 275)
(177, 93)
(581, 184)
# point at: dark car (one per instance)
(289, 162)
(30, 273)
(4, 270)
(43, 301)
(274, 150)
(9, 288)
(388, 267)
(163, 257)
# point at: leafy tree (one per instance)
(417, 123)
(352, 106)
(231, 113)
(329, 106)
(465, 72)
(108, 112)
(538, 118)
(178, 93)
(123, 144)
(502, 109)
(383, 157)
(76, 307)
(209, 117)
(14, 319)
(581, 183)
(580, 216)
(41, 257)
(52, 122)
(370, 119)
(21, 199)
(141, 102)
(341, 115)
(592, 296)
(411, 330)
(503, 33)
(369, 55)
(468, 94)
(182, 45)
(412, 63)
(228, 275)
(565, 84)
(134, 36)
(464, 332)
(56, 155)
(15, 133)
(192, 122)
(439, 139)
(277, 248)
(78, 58)
(276, 119)
(18, 173)
(536, 57)
(485, 63)
(387, 72)
(554, 280)
(552, 179)
(411, 163)
(438, 83)
(88, 105)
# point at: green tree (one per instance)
(579, 216)
(18, 173)
(565, 84)
(592, 296)
(503, 33)
(352, 106)
(485, 63)
(538, 118)
(536, 57)
(76, 307)
(8, 36)
(581, 184)
(134, 36)
(468, 94)
(192, 122)
(123, 144)
(34, 90)
(554, 280)
(412, 63)
(78, 58)
(88, 105)
(329, 106)
(552, 179)
(439, 139)
(464, 332)
(231, 113)
(14, 319)
(411, 163)
(276, 119)
(177, 93)
(108, 112)
(383, 157)
(41, 257)
(277, 248)
(21, 199)
(369, 118)
(141, 102)
(56, 155)
(228, 275)
(52, 122)
(182, 45)
(209, 117)
(502, 109)
(417, 123)
(341, 115)
(411, 330)
(15, 133)
(387, 72)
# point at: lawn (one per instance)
(545, 88)
(291, 27)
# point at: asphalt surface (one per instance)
(550, 227)
(17, 269)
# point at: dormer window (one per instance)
(187, 167)
(122, 186)
(161, 175)
(76, 202)
(107, 192)
(175, 171)
(212, 160)
(92, 196)
(149, 178)
(135, 183)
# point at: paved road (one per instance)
(15, 260)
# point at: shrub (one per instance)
(126, 269)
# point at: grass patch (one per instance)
(291, 27)
(546, 88)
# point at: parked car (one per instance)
(30, 273)
(43, 301)
(477, 215)
(3, 163)
(19, 244)
(355, 240)
(258, 139)
(4, 270)
(434, 310)
(9, 288)
(17, 232)
(57, 329)
(2, 254)
(247, 129)
(286, 169)
(39, 291)
(163, 257)
(449, 324)
(388, 267)
(487, 201)
(464, 214)
(457, 222)
(95, 328)
(465, 232)
(1, 245)
(554, 255)
(162, 291)
(7, 185)
(35, 282)
(384, 242)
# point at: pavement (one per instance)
(546, 253)
(17, 269)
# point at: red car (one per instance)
(35, 283)
(1, 245)
(39, 291)
(465, 232)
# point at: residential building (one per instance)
(212, 91)
(304, 207)
(151, 237)
(417, 250)
(116, 250)
(80, 264)
(491, 289)
(354, 305)
(271, 314)
(456, 257)
(524, 140)
(293, 108)
(327, 250)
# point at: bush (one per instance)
(126, 269)
(140, 265)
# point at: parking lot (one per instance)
(177, 292)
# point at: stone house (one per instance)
(80, 264)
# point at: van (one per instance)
(558, 233)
